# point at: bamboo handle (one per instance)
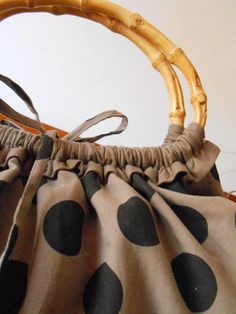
(149, 37)
(158, 60)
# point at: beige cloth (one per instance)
(105, 230)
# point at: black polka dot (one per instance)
(46, 147)
(177, 185)
(12, 241)
(193, 220)
(13, 286)
(136, 222)
(142, 186)
(24, 180)
(215, 173)
(2, 185)
(91, 184)
(195, 280)
(43, 181)
(62, 227)
(103, 293)
(34, 200)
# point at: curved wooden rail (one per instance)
(158, 60)
(132, 21)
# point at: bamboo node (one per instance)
(82, 4)
(175, 55)
(177, 114)
(113, 26)
(135, 20)
(56, 10)
(30, 3)
(200, 98)
(158, 60)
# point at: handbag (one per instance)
(88, 228)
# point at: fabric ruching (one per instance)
(189, 153)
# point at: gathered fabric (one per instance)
(88, 229)
(189, 153)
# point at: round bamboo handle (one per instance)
(120, 17)
(158, 60)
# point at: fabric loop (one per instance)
(74, 135)
(14, 115)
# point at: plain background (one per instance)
(74, 68)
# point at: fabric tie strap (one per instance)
(8, 111)
(14, 115)
(74, 135)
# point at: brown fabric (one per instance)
(8, 111)
(87, 229)
(208, 185)
(190, 154)
(75, 134)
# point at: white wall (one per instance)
(74, 68)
